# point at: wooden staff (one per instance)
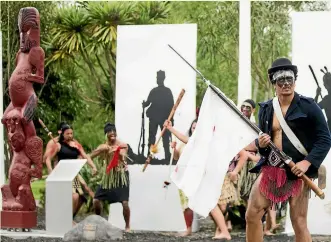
(153, 148)
(167, 183)
(309, 182)
(49, 133)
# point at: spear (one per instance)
(49, 133)
(280, 153)
(312, 72)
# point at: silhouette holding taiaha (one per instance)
(160, 101)
(325, 103)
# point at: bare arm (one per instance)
(124, 149)
(86, 188)
(176, 152)
(87, 157)
(251, 146)
(243, 157)
(178, 134)
(253, 157)
(50, 153)
(49, 146)
(98, 151)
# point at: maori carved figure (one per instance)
(25, 145)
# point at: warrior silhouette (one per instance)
(161, 102)
(325, 103)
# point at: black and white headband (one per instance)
(282, 74)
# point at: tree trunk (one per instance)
(255, 88)
(101, 66)
(111, 78)
(266, 95)
(8, 44)
(93, 72)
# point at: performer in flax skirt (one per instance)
(307, 142)
(188, 213)
(115, 182)
(230, 190)
(247, 179)
(67, 149)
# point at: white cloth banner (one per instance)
(219, 135)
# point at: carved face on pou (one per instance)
(13, 120)
(29, 27)
(15, 133)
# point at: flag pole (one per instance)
(221, 95)
(287, 160)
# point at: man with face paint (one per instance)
(277, 184)
(248, 108)
(115, 183)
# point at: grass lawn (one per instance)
(36, 186)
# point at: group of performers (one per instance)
(255, 177)
(115, 182)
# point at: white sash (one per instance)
(287, 130)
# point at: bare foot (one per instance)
(220, 235)
(184, 234)
(268, 233)
(127, 230)
(274, 228)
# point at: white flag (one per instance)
(219, 135)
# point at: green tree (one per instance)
(218, 33)
(218, 39)
(271, 38)
(84, 35)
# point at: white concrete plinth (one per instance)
(59, 196)
(25, 235)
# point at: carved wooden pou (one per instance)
(18, 204)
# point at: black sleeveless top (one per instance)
(67, 152)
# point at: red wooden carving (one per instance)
(18, 204)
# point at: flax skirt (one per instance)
(230, 193)
(183, 200)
